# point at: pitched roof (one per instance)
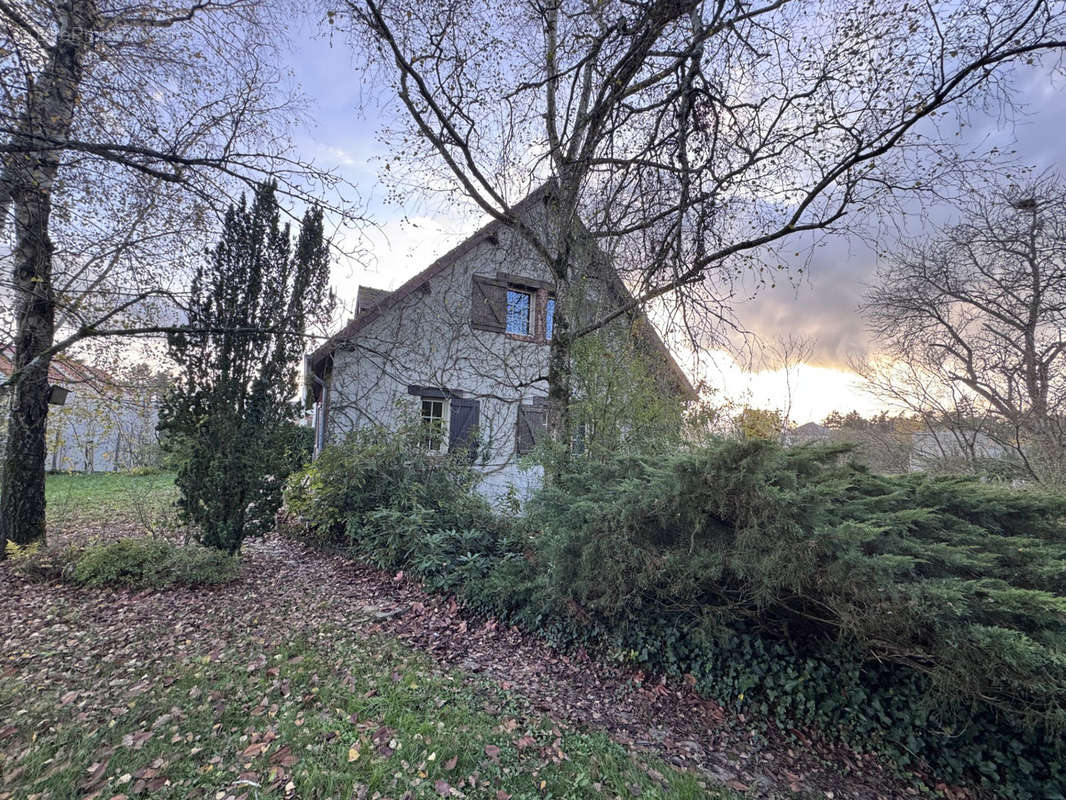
(360, 321)
(62, 370)
(812, 429)
(487, 232)
(367, 297)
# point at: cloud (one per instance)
(821, 303)
(816, 390)
(825, 303)
(398, 249)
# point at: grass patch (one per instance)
(332, 717)
(105, 498)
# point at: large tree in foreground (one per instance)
(686, 139)
(228, 417)
(975, 317)
(122, 127)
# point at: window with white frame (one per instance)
(434, 423)
(519, 312)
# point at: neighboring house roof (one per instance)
(384, 300)
(62, 370)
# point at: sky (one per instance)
(341, 127)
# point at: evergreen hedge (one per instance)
(921, 617)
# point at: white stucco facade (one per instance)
(423, 342)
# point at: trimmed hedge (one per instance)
(923, 618)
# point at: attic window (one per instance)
(519, 310)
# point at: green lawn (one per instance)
(336, 717)
(273, 686)
(100, 499)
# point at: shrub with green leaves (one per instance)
(152, 564)
(379, 491)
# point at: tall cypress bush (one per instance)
(229, 418)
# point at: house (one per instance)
(463, 346)
(94, 424)
(810, 432)
(960, 448)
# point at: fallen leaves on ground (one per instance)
(96, 652)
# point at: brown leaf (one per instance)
(449, 765)
(442, 787)
(96, 774)
(493, 752)
(256, 749)
(284, 757)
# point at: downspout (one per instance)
(311, 378)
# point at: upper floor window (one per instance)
(522, 308)
(519, 312)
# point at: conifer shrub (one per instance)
(228, 423)
(921, 617)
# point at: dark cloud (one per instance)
(821, 303)
(824, 303)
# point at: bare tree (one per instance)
(686, 139)
(974, 324)
(122, 125)
(884, 442)
(786, 354)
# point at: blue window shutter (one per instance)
(462, 427)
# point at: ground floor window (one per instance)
(434, 423)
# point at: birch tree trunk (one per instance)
(26, 189)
